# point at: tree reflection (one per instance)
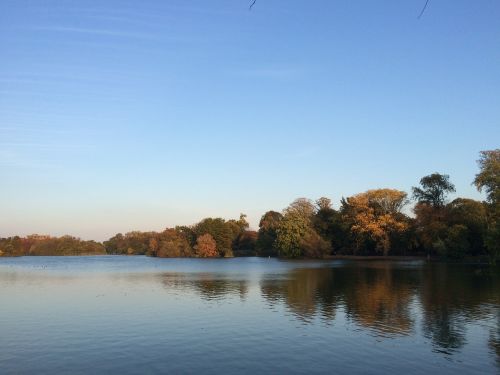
(209, 286)
(453, 296)
(376, 297)
(388, 297)
(305, 292)
(379, 298)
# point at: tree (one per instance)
(132, 243)
(375, 217)
(489, 179)
(313, 245)
(489, 176)
(266, 241)
(301, 207)
(292, 228)
(473, 216)
(65, 245)
(323, 203)
(295, 235)
(245, 244)
(221, 231)
(434, 189)
(171, 244)
(329, 224)
(456, 242)
(206, 247)
(431, 212)
(188, 233)
(243, 223)
(430, 226)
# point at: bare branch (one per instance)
(252, 4)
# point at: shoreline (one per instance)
(479, 260)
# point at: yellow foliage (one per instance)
(377, 214)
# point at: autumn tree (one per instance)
(132, 243)
(375, 217)
(49, 246)
(188, 233)
(221, 231)
(13, 246)
(313, 245)
(171, 244)
(206, 247)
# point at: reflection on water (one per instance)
(208, 286)
(246, 315)
(388, 297)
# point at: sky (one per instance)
(123, 115)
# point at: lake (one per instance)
(137, 315)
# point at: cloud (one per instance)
(16, 160)
(79, 30)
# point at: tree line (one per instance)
(47, 245)
(369, 223)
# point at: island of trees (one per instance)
(369, 223)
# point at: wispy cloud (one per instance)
(16, 160)
(46, 130)
(156, 36)
(105, 32)
(45, 146)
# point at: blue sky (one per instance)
(125, 115)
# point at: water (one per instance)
(136, 315)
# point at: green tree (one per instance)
(323, 203)
(473, 216)
(330, 225)
(266, 241)
(433, 190)
(292, 228)
(488, 178)
(295, 235)
(301, 207)
(431, 212)
(456, 243)
(222, 232)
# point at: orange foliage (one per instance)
(206, 247)
(376, 213)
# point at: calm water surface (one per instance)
(140, 315)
